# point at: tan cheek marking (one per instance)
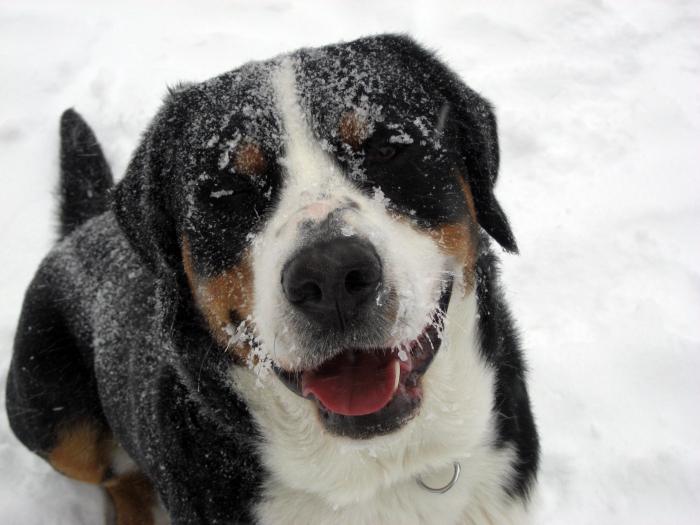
(467, 191)
(82, 451)
(353, 129)
(250, 160)
(460, 240)
(217, 296)
(457, 240)
(133, 498)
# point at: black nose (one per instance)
(331, 282)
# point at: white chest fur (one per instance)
(317, 478)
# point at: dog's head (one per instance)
(324, 207)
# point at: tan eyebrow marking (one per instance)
(353, 129)
(250, 160)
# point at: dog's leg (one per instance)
(54, 408)
(86, 452)
(133, 498)
(81, 451)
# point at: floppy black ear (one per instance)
(477, 140)
(142, 199)
(475, 128)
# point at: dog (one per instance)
(288, 310)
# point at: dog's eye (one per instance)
(382, 154)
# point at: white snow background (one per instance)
(599, 110)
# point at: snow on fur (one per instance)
(599, 123)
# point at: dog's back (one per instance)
(48, 343)
(89, 292)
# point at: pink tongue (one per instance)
(354, 383)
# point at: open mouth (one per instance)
(366, 392)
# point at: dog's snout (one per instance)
(331, 282)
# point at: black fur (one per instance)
(501, 348)
(109, 330)
(475, 133)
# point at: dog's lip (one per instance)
(413, 357)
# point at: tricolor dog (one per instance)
(288, 310)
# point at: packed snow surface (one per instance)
(599, 119)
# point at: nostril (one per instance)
(305, 292)
(332, 282)
(357, 281)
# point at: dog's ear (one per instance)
(142, 199)
(477, 141)
(474, 126)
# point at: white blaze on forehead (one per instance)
(314, 186)
(304, 160)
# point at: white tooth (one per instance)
(397, 373)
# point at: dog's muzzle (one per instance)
(362, 383)
(332, 283)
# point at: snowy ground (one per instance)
(600, 125)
